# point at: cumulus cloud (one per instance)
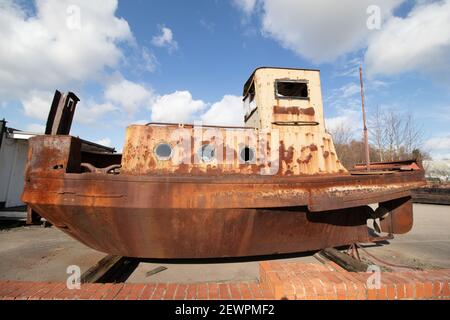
(181, 107)
(36, 128)
(321, 30)
(37, 104)
(420, 42)
(130, 96)
(63, 41)
(92, 112)
(247, 6)
(176, 107)
(229, 112)
(347, 118)
(439, 147)
(165, 39)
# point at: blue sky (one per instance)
(137, 61)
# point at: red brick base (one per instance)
(313, 281)
(277, 281)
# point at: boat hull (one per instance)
(207, 233)
(208, 216)
(186, 217)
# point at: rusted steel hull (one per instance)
(178, 233)
(188, 217)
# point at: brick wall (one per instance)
(277, 281)
(313, 281)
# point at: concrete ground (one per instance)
(43, 254)
(426, 246)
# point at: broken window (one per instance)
(291, 89)
(249, 101)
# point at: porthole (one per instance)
(247, 155)
(207, 153)
(163, 151)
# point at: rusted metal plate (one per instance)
(53, 155)
(61, 113)
(275, 154)
(400, 218)
(211, 192)
(406, 165)
(203, 233)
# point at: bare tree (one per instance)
(377, 132)
(342, 134)
(413, 137)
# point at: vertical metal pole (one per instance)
(366, 137)
(2, 130)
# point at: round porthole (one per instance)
(207, 153)
(247, 154)
(163, 151)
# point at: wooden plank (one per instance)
(155, 271)
(32, 216)
(99, 270)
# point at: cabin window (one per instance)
(291, 89)
(163, 151)
(207, 153)
(250, 101)
(247, 154)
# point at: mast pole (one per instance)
(366, 137)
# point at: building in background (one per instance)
(13, 158)
(437, 170)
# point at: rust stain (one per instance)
(294, 111)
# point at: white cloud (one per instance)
(420, 42)
(349, 90)
(344, 97)
(182, 108)
(37, 104)
(348, 118)
(130, 96)
(176, 107)
(165, 39)
(247, 6)
(439, 147)
(92, 112)
(149, 60)
(36, 128)
(62, 42)
(104, 142)
(321, 30)
(229, 112)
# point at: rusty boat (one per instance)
(274, 186)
